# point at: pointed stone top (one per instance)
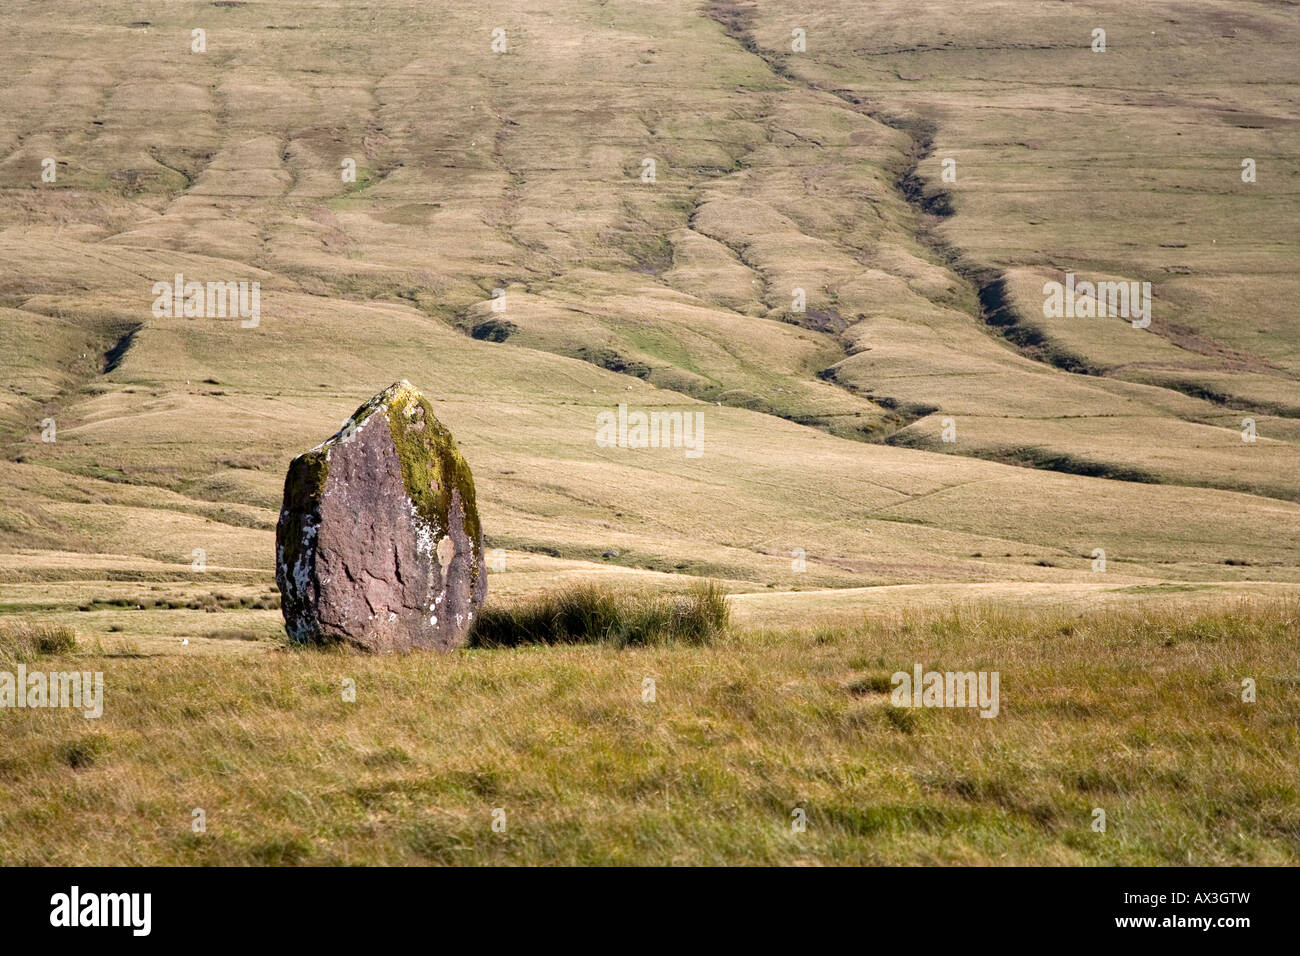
(399, 393)
(398, 390)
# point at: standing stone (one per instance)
(378, 545)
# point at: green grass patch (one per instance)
(590, 614)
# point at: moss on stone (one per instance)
(432, 466)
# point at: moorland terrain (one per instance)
(566, 206)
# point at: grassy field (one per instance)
(663, 204)
(1137, 712)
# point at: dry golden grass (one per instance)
(1137, 712)
(21, 641)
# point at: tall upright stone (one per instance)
(378, 544)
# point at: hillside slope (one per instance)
(505, 247)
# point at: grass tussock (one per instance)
(22, 641)
(591, 614)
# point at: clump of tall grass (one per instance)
(22, 641)
(591, 614)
